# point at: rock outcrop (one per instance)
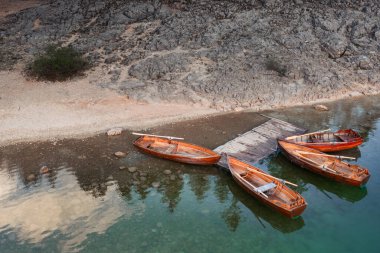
(211, 52)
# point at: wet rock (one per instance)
(31, 177)
(156, 184)
(321, 108)
(44, 170)
(120, 154)
(143, 174)
(167, 172)
(114, 131)
(173, 177)
(143, 179)
(132, 169)
(122, 167)
(109, 183)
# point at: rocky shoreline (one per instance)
(236, 54)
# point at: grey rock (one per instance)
(167, 172)
(158, 66)
(364, 62)
(335, 45)
(210, 53)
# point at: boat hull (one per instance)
(353, 181)
(287, 210)
(292, 213)
(209, 157)
(329, 141)
(325, 147)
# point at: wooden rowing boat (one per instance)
(176, 150)
(265, 188)
(323, 164)
(328, 141)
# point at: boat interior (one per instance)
(172, 148)
(344, 136)
(330, 163)
(267, 186)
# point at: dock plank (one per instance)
(259, 142)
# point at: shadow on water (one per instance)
(279, 166)
(264, 214)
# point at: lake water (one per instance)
(88, 204)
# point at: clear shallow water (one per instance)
(87, 204)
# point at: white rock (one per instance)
(321, 108)
(120, 154)
(114, 131)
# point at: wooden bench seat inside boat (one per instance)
(343, 138)
(266, 187)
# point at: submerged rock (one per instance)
(31, 177)
(120, 154)
(167, 172)
(44, 170)
(132, 169)
(156, 184)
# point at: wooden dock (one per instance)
(259, 142)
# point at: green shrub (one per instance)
(58, 63)
(275, 65)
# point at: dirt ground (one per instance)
(31, 110)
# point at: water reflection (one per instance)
(41, 212)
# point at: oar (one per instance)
(160, 136)
(279, 179)
(255, 188)
(335, 156)
(318, 132)
(319, 166)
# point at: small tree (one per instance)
(58, 63)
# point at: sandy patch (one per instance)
(31, 110)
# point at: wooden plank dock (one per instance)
(259, 142)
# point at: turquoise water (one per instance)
(87, 204)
